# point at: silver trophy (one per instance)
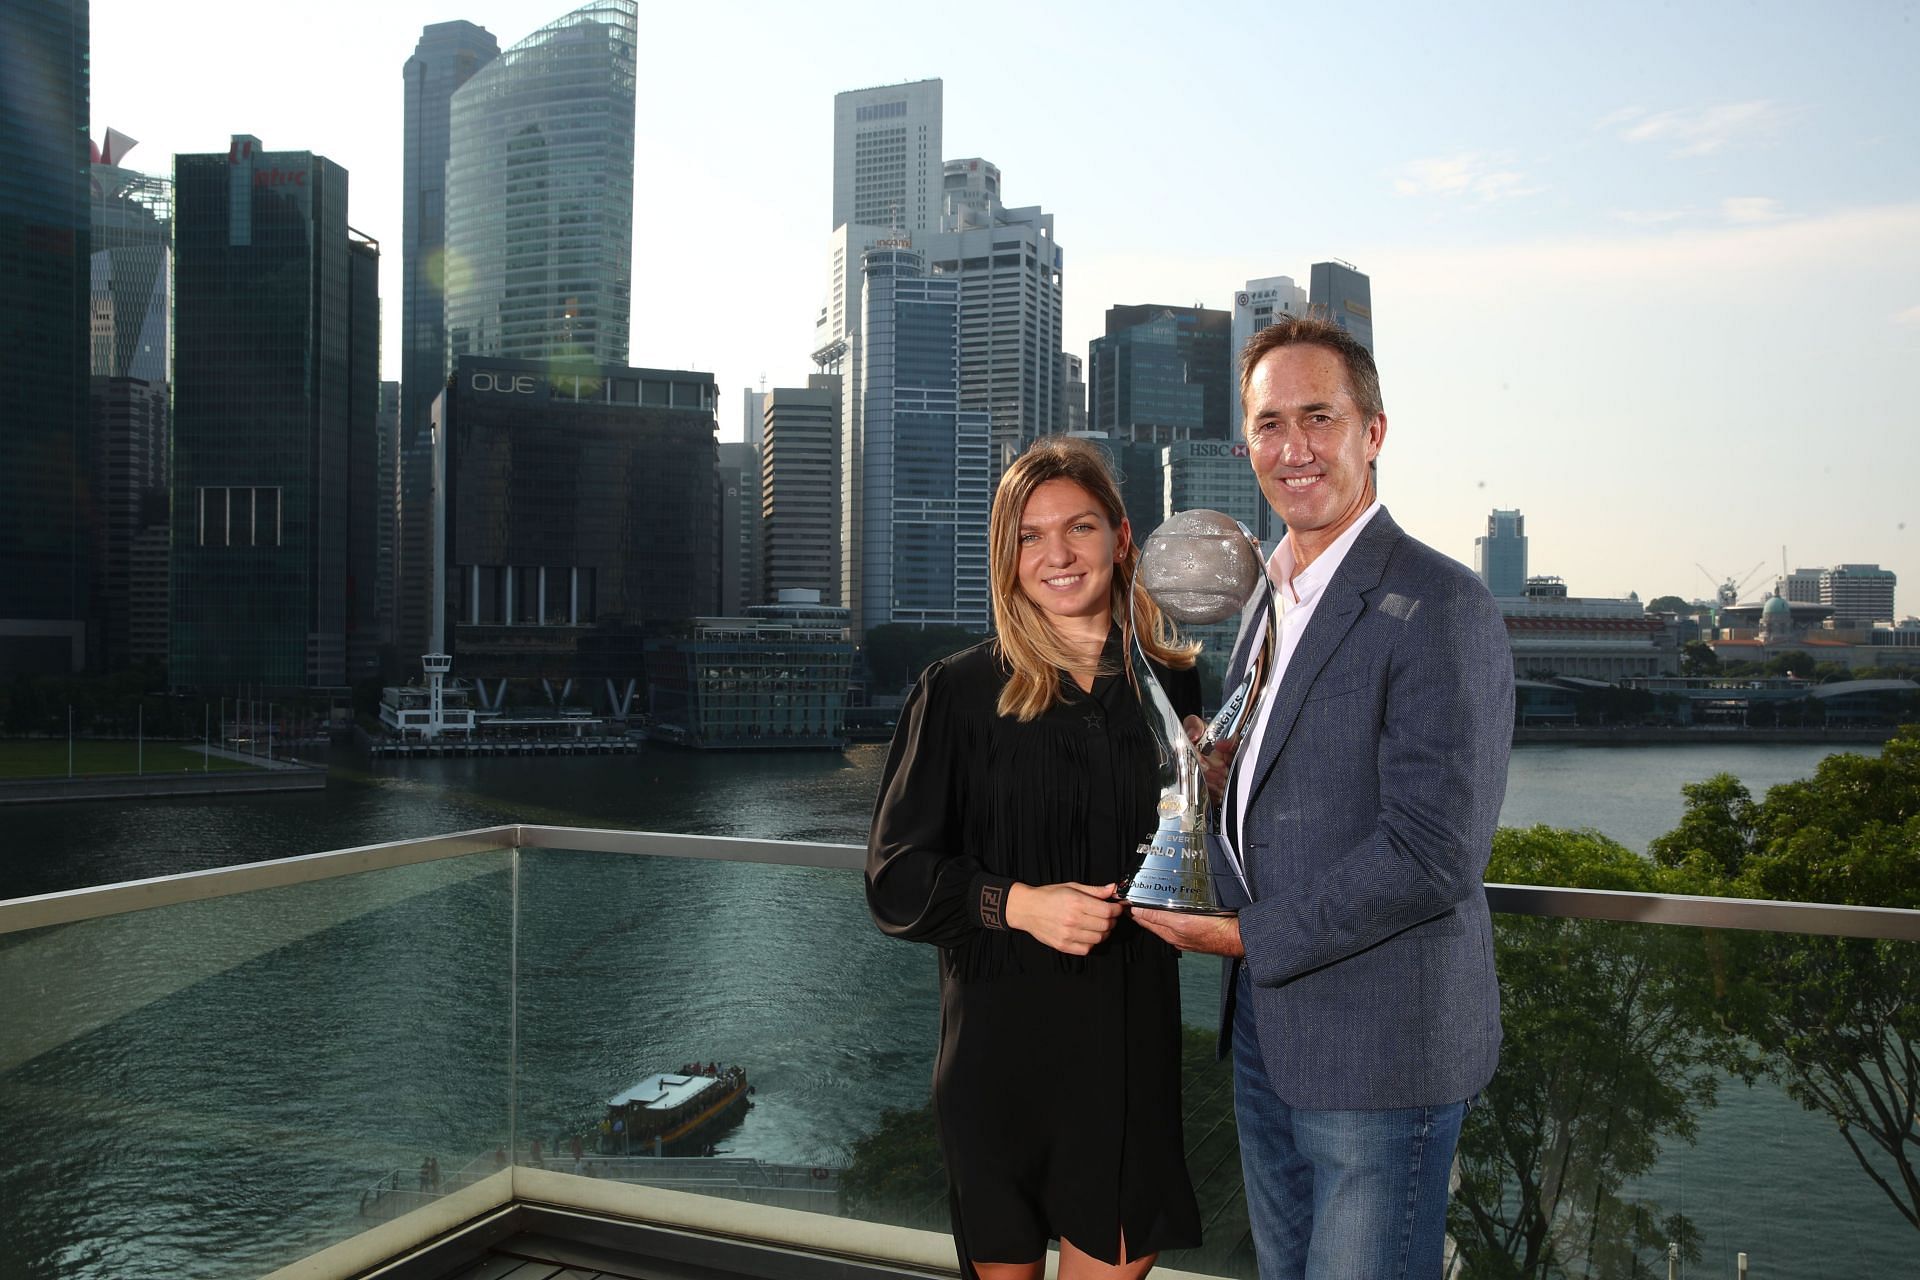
(1199, 567)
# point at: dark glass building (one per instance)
(276, 390)
(131, 306)
(1162, 374)
(1342, 293)
(445, 58)
(45, 515)
(581, 516)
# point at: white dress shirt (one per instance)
(1299, 594)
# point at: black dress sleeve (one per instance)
(921, 886)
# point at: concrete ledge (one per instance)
(1661, 735)
(900, 1250)
(190, 782)
(361, 1253)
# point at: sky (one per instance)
(1649, 273)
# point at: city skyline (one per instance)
(1597, 246)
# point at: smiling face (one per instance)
(1310, 444)
(1068, 547)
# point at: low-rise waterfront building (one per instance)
(775, 678)
(1554, 634)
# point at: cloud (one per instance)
(1693, 133)
(1750, 209)
(1486, 178)
(1910, 316)
(1649, 217)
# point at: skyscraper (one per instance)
(132, 267)
(581, 516)
(739, 537)
(1256, 305)
(1500, 558)
(1858, 593)
(131, 216)
(886, 156)
(539, 249)
(44, 234)
(921, 511)
(1161, 374)
(447, 55)
(1073, 384)
(799, 489)
(276, 388)
(1343, 294)
(1010, 267)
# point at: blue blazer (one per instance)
(1367, 830)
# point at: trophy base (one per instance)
(1179, 906)
(1174, 877)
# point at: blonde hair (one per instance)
(1029, 646)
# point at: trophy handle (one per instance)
(1180, 768)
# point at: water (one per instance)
(260, 1058)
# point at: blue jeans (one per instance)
(1339, 1195)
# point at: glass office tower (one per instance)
(1162, 374)
(132, 270)
(44, 542)
(539, 256)
(276, 388)
(923, 478)
(446, 57)
(1342, 293)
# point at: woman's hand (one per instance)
(1215, 762)
(1073, 918)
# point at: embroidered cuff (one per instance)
(990, 900)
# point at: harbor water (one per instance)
(363, 1025)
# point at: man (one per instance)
(1359, 996)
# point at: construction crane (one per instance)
(1727, 590)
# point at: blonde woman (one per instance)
(1019, 782)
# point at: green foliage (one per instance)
(1791, 663)
(1697, 658)
(1612, 1049)
(1671, 604)
(896, 654)
(1837, 1017)
(896, 1174)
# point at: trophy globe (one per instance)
(1200, 567)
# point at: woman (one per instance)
(1020, 780)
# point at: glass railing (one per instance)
(221, 1073)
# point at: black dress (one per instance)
(1057, 1086)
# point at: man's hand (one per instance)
(1069, 917)
(1210, 935)
(1215, 762)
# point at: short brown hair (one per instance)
(1027, 642)
(1315, 330)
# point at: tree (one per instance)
(1611, 1050)
(1697, 658)
(1837, 1017)
(1791, 663)
(1671, 604)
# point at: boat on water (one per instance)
(675, 1112)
